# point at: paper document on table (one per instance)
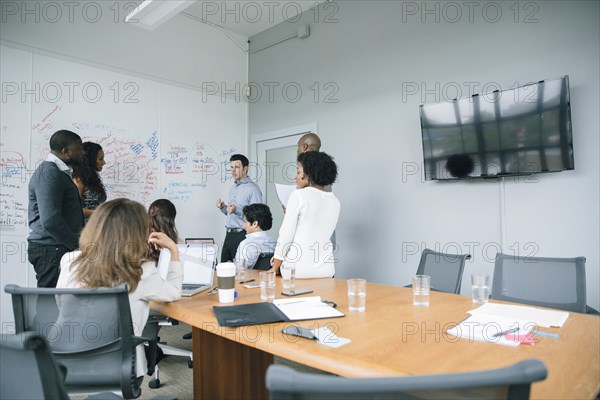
(536, 316)
(284, 192)
(306, 308)
(492, 329)
(328, 338)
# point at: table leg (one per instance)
(224, 369)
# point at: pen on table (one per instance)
(248, 281)
(505, 332)
(291, 302)
(212, 291)
(548, 334)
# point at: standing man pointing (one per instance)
(243, 193)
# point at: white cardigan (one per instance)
(151, 287)
(305, 235)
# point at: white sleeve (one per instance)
(153, 287)
(289, 224)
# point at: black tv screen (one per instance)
(520, 131)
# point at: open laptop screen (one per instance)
(199, 241)
(198, 261)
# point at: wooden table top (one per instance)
(392, 337)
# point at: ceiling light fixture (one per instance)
(152, 13)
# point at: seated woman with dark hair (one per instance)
(162, 213)
(310, 219)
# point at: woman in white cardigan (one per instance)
(112, 251)
(310, 219)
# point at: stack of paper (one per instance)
(504, 324)
(284, 192)
(537, 316)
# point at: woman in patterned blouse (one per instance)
(87, 178)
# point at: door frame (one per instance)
(261, 142)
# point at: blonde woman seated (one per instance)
(113, 246)
(310, 219)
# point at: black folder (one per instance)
(249, 314)
(265, 313)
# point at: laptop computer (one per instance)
(198, 262)
(199, 241)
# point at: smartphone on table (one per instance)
(296, 292)
(296, 330)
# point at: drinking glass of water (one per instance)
(288, 274)
(480, 288)
(421, 286)
(267, 286)
(240, 268)
(357, 294)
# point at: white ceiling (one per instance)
(247, 18)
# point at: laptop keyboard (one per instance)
(191, 287)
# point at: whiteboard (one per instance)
(160, 141)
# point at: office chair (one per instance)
(90, 332)
(26, 356)
(513, 382)
(446, 270)
(263, 262)
(153, 325)
(541, 281)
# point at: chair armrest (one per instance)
(141, 339)
(62, 370)
(591, 311)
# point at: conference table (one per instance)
(391, 338)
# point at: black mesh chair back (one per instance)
(89, 331)
(28, 370)
(512, 382)
(446, 270)
(541, 281)
(263, 262)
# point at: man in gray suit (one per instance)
(54, 214)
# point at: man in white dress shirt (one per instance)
(257, 220)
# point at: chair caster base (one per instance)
(154, 383)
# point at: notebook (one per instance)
(198, 262)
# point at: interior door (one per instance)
(273, 156)
(277, 161)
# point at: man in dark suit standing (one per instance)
(54, 214)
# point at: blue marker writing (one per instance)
(552, 335)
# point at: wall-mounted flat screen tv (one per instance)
(520, 131)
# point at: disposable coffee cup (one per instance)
(226, 282)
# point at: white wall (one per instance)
(182, 51)
(374, 63)
(158, 129)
